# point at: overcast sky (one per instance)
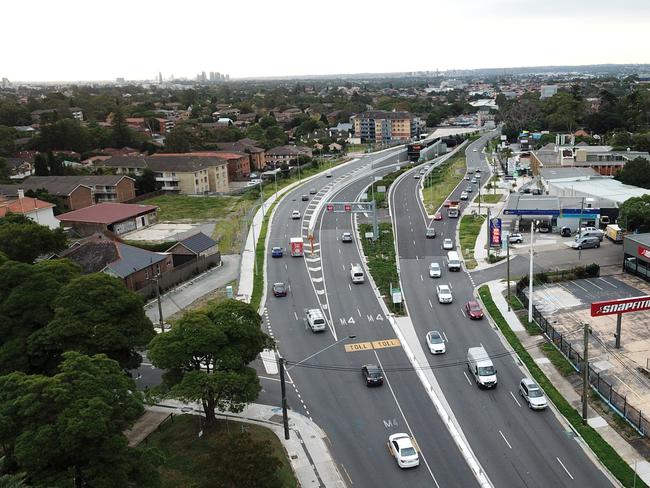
(91, 40)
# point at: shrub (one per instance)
(592, 270)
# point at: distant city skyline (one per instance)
(292, 38)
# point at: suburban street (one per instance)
(357, 419)
(516, 446)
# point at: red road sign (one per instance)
(347, 207)
(330, 207)
(623, 305)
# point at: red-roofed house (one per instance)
(118, 218)
(34, 209)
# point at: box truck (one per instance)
(453, 210)
(296, 246)
(614, 232)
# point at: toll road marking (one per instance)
(386, 343)
(390, 423)
(358, 346)
(515, 399)
(506, 440)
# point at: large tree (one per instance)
(122, 134)
(93, 314)
(26, 297)
(22, 239)
(66, 429)
(635, 214)
(635, 172)
(206, 356)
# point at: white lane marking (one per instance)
(359, 312)
(610, 284)
(404, 417)
(463, 312)
(467, 378)
(504, 438)
(342, 266)
(445, 336)
(295, 314)
(430, 304)
(350, 286)
(414, 243)
(450, 287)
(421, 278)
(285, 266)
(340, 253)
(592, 283)
(562, 464)
(515, 399)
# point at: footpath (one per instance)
(635, 460)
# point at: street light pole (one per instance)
(585, 373)
(530, 275)
(283, 390)
(508, 267)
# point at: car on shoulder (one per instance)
(435, 271)
(437, 216)
(448, 244)
(305, 198)
(279, 289)
(444, 294)
(435, 342)
(372, 374)
(402, 448)
(430, 233)
(464, 196)
(473, 310)
(295, 214)
(533, 394)
(276, 252)
(515, 238)
(328, 174)
(346, 237)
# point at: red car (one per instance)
(473, 310)
(437, 216)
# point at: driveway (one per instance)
(184, 295)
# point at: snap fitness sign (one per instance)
(623, 305)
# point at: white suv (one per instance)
(316, 320)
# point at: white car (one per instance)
(444, 294)
(295, 214)
(533, 394)
(435, 342)
(434, 270)
(464, 196)
(426, 166)
(416, 176)
(475, 150)
(448, 244)
(402, 449)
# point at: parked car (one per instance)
(276, 252)
(565, 232)
(346, 237)
(279, 290)
(515, 238)
(295, 214)
(533, 394)
(447, 244)
(585, 243)
(437, 216)
(475, 150)
(473, 310)
(305, 198)
(464, 196)
(544, 227)
(402, 449)
(435, 342)
(444, 294)
(434, 270)
(372, 374)
(430, 233)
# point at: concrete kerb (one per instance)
(430, 383)
(510, 317)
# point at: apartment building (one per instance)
(381, 126)
(185, 174)
(286, 154)
(104, 188)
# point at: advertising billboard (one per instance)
(495, 232)
(622, 305)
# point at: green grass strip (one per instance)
(470, 226)
(606, 453)
(260, 251)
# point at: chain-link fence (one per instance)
(601, 386)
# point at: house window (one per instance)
(146, 274)
(158, 269)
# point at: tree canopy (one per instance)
(635, 214)
(22, 239)
(635, 172)
(206, 357)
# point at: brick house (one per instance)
(117, 218)
(73, 195)
(105, 188)
(193, 248)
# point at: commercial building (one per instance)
(185, 174)
(636, 255)
(117, 218)
(520, 210)
(381, 126)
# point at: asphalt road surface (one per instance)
(516, 446)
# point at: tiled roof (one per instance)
(106, 213)
(186, 162)
(23, 205)
(198, 243)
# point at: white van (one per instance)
(453, 261)
(480, 365)
(316, 320)
(356, 273)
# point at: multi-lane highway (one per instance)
(325, 374)
(516, 446)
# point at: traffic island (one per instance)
(468, 232)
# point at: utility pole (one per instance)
(582, 208)
(585, 373)
(283, 390)
(488, 231)
(508, 267)
(479, 198)
(160, 314)
(530, 275)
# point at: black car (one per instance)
(279, 290)
(372, 374)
